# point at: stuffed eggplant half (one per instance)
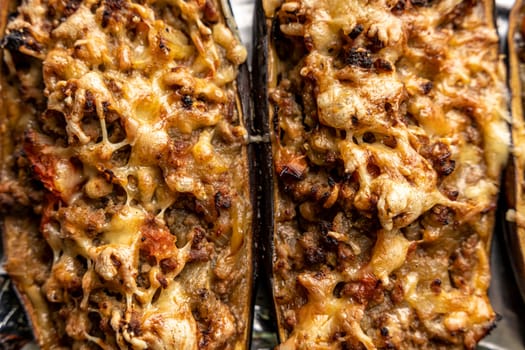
(387, 135)
(515, 184)
(125, 185)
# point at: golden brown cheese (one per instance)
(388, 134)
(124, 147)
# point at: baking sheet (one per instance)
(509, 333)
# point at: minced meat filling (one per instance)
(388, 139)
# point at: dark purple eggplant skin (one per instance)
(244, 92)
(261, 127)
(263, 149)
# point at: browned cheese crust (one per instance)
(388, 134)
(124, 179)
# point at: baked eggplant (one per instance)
(387, 126)
(125, 187)
(515, 228)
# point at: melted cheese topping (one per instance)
(141, 146)
(390, 135)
